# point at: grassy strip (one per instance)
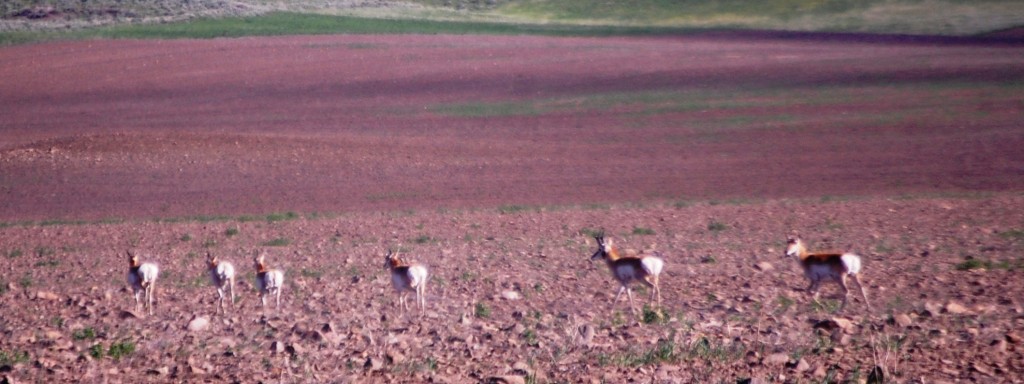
(290, 23)
(647, 102)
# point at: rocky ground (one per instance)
(494, 160)
(513, 297)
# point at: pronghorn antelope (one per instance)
(627, 269)
(222, 273)
(819, 266)
(268, 282)
(142, 278)
(407, 277)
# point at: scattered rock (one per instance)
(764, 266)
(955, 308)
(276, 347)
(510, 295)
(1013, 337)
(903, 320)
(162, 371)
(505, 380)
(776, 359)
(198, 324)
(373, 364)
(802, 366)
(46, 295)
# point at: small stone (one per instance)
(776, 359)
(764, 266)
(1013, 337)
(999, 346)
(373, 364)
(903, 320)
(45, 295)
(276, 347)
(198, 324)
(955, 308)
(506, 380)
(510, 295)
(802, 366)
(162, 371)
(395, 357)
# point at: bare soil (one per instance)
(351, 133)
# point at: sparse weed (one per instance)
(25, 281)
(1013, 234)
(45, 251)
(510, 209)
(281, 216)
(185, 237)
(311, 273)
(481, 310)
(590, 232)
(231, 232)
(121, 349)
(14, 253)
(423, 239)
(652, 315)
(96, 351)
(209, 243)
(14, 357)
(642, 231)
(784, 303)
(717, 226)
(278, 242)
(47, 263)
(84, 334)
(530, 337)
(825, 306)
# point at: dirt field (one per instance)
(493, 160)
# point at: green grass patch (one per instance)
(278, 242)
(1013, 234)
(97, 351)
(47, 263)
(716, 226)
(13, 357)
(293, 23)
(231, 232)
(121, 349)
(511, 209)
(481, 310)
(311, 273)
(642, 231)
(972, 263)
(84, 334)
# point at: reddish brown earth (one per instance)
(142, 129)
(905, 151)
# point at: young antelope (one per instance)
(407, 277)
(142, 278)
(222, 273)
(819, 266)
(268, 282)
(627, 269)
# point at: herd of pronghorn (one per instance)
(412, 277)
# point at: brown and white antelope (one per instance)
(268, 281)
(407, 277)
(222, 274)
(142, 278)
(628, 269)
(819, 266)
